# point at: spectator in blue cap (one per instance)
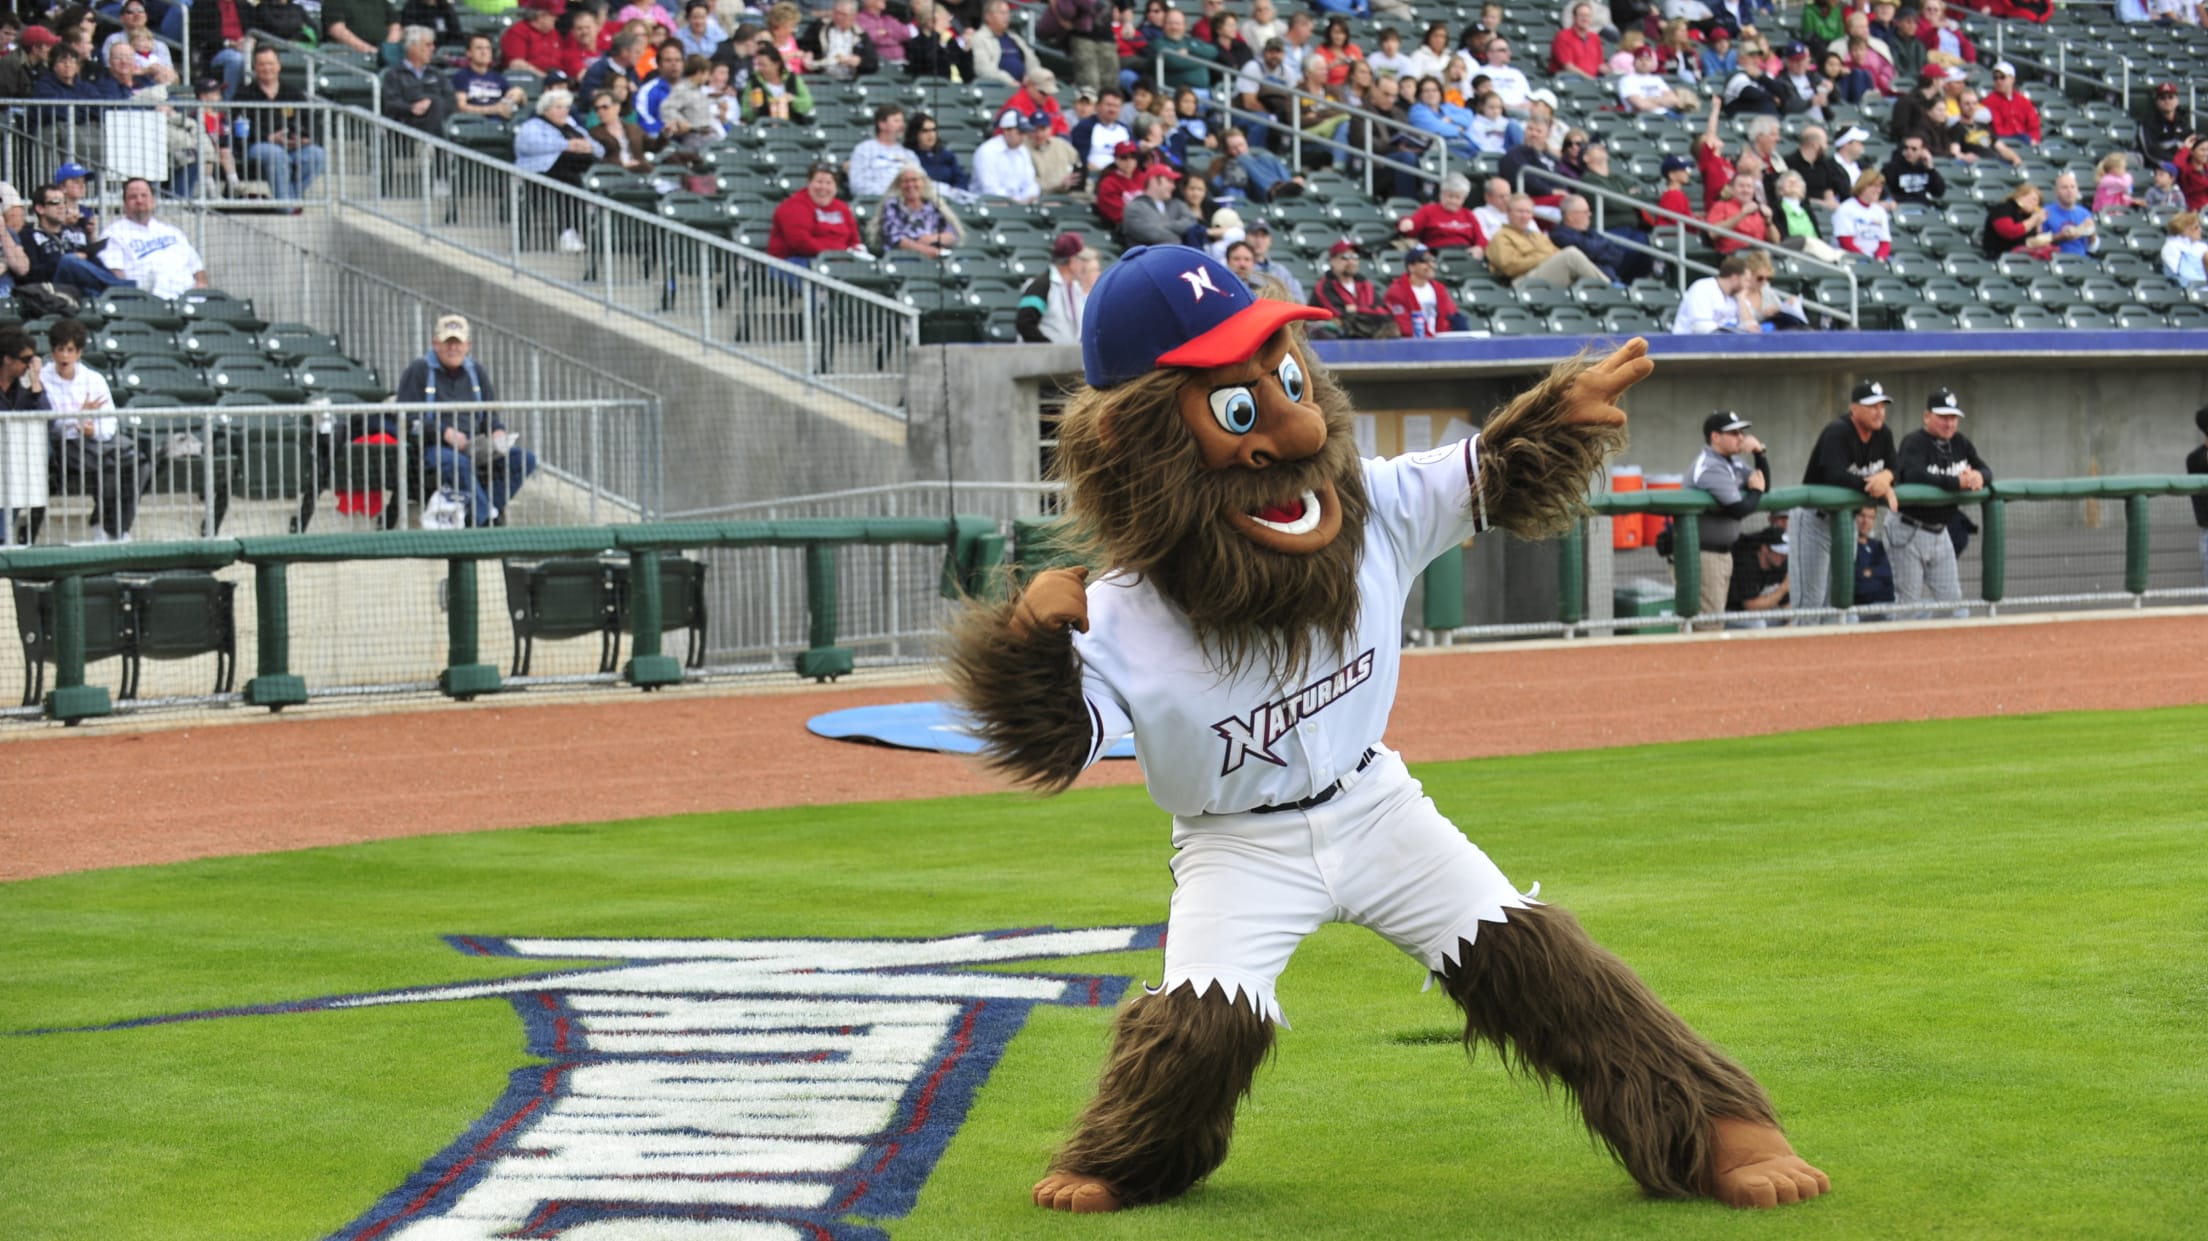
(1677, 171)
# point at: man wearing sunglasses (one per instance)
(22, 443)
(54, 258)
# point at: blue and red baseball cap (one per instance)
(1175, 306)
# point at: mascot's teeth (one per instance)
(1303, 524)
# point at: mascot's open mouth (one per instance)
(1297, 524)
(1296, 516)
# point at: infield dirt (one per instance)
(85, 799)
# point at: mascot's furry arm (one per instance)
(1538, 452)
(1012, 665)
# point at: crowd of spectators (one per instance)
(1173, 118)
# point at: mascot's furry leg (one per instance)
(1681, 1117)
(1164, 1110)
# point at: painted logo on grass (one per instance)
(724, 1089)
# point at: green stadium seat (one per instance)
(107, 631)
(1516, 321)
(205, 340)
(183, 614)
(558, 599)
(2140, 318)
(167, 376)
(290, 343)
(1926, 319)
(2189, 317)
(217, 306)
(2087, 318)
(138, 306)
(321, 374)
(255, 373)
(1984, 318)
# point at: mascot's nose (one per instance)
(1286, 430)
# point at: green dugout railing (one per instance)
(1037, 542)
(1839, 503)
(973, 549)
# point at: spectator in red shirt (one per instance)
(2014, 116)
(533, 43)
(1678, 170)
(1120, 182)
(813, 221)
(1347, 294)
(1416, 290)
(1709, 157)
(2192, 173)
(1578, 47)
(1740, 212)
(1448, 223)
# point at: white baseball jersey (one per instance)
(153, 256)
(1213, 745)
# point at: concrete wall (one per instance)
(735, 432)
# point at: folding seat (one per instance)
(2140, 318)
(2001, 292)
(1631, 321)
(205, 339)
(1982, 319)
(2087, 318)
(1572, 321)
(2032, 318)
(1926, 319)
(1516, 321)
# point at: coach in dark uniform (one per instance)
(1759, 576)
(1941, 456)
(1855, 451)
(1737, 488)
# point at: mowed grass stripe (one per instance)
(1966, 957)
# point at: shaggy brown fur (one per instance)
(1535, 465)
(1142, 502)
(1164, 1111)
(1024, 692)
(1554, 1003)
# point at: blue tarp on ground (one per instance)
(916, 726)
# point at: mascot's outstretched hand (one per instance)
(1538, 453)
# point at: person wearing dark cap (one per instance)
(1736, 487)
(1051, 305)
(1420, 304)
(1855, 451)
(2164, 131)
(1758, 581)
(1260, 237)
(1357, 310)
(1003, 166)
(1939, 455)
(1801, 88)
(21, 68)
(1677, 171)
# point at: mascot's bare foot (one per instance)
(1751, 1165)
(1068, 1191)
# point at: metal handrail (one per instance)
(1853, 313)
(318, 63)
(1223, 99)
(432, 149)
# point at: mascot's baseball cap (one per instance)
(1174, 306)
(1869, 392)
(1724, 420)
(1942, 401)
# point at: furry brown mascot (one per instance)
(1247, 634)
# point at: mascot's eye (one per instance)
(1236, 408)
(1291, 378)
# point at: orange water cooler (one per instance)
(1626, 529)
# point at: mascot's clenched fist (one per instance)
(1246, 630)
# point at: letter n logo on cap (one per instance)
(1200, 280)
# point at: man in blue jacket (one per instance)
(468, 450)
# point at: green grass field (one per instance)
(1969, 959)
